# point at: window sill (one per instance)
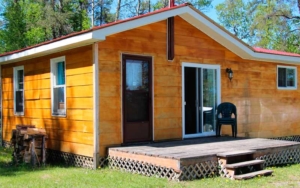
(19, 114)
(286, 88)
(59, 115)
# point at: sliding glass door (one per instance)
(201, 95)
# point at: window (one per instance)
(286, 77)
(19, 90)
(58, 86)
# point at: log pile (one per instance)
(29, 144)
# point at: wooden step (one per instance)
(253, 174)
(236, 153)
(243, 164)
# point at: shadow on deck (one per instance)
(197, 158)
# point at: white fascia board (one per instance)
(52, 47)
(275, 58)
(134, 23)
(231, 43)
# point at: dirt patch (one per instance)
(287, 184)
(45, 176)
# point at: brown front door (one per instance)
(137, 104)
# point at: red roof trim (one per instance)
(274, 52)
(94, 29)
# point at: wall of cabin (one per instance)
(73, 133)
(263, 110)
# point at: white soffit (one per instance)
(52, 47)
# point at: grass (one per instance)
(63, 176)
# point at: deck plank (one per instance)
(178, 155)
(203, 147)
(253, 174)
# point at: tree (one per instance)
(79, 19)
(118, 9)
(271, 31)
(133, 8)
(28, 22)
(234, 16)
(130, 8)
(272, 24)
(102, 13)
(2, 44)
(13, 35)
(202, 5)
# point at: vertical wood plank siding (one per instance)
(73, 133)
(263, 110)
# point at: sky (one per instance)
(212, 13)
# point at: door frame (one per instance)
(151, 89)
(196, 65)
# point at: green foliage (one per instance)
(271, 24)
(78, 19)
(2, 43)
(233, 15)
(13, 34)
(160, 4)
(202, 5)
(270, 30)
(102, 12)
(29, 22)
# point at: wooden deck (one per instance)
(178, 155)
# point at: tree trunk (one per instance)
(101, 12)
(118, 10)
(138, 8)
(149, 4)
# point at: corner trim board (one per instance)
(96, 105)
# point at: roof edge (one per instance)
(93, 29)
(186, 11)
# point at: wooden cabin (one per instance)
(154, 77)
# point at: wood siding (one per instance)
(263, 110)
(73, 133)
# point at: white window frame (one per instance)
(16, 69)
(287, 87)
(53, 62)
